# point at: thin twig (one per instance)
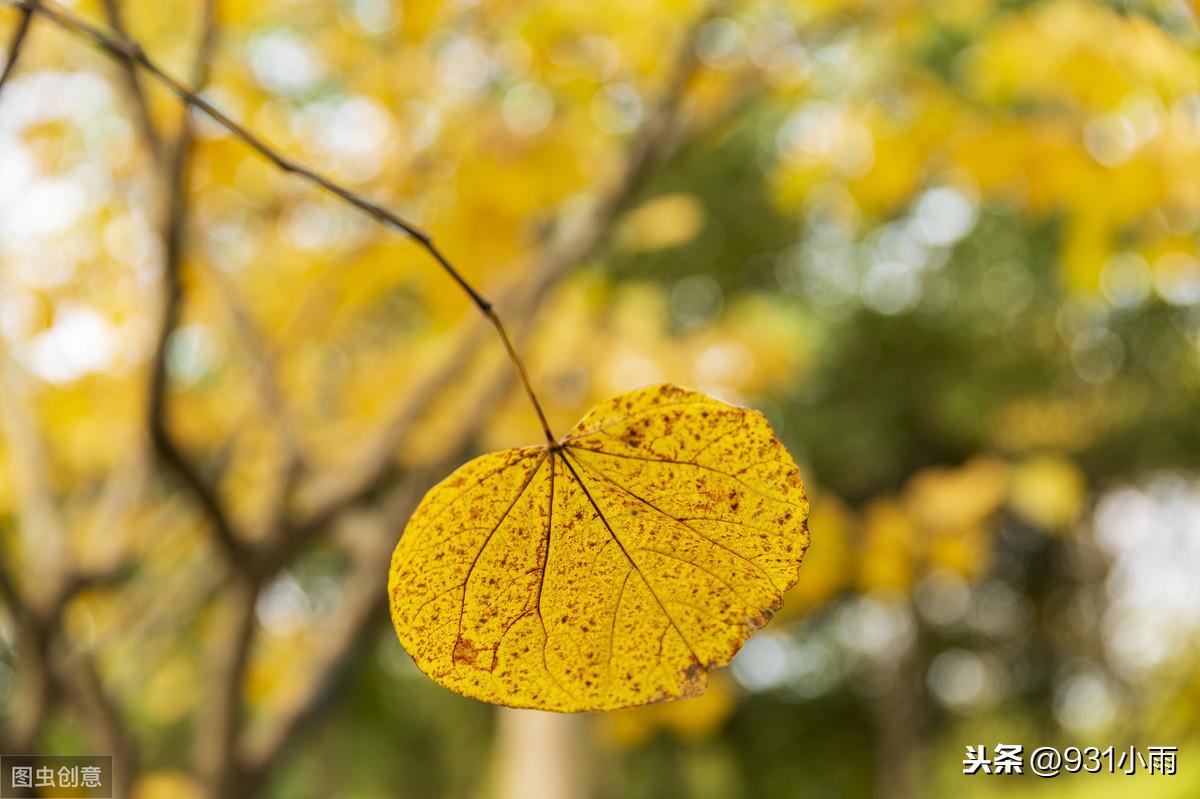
(123, 48)
(644, 149)
(133, 85)
(17, 43)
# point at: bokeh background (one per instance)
(950, 249)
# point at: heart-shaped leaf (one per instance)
(611, 569)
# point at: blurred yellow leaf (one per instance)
(952, 499)
(1093, 56)
(167, 784)
(666, 221)
(1048, 490)
(889, 546)
(608, 570)
(166, 694)
(965, 551)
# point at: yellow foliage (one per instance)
(611, 569)
(1090, 129)
(661, 223)
(965, 551)
(942, 520)
(1088, 54)
(1063, 423)
(1048, 490)
(954, 499)
(1009, 128)
(70, 412)
(168, 694)
(167, 784)
(270, 679)
(828, 570)
(890, 541)
(780, 348)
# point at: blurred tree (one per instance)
(949, 248)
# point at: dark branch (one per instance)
(17, 44)
(131, 52)
(217, 732)
(174, 232)
(76, 675)
(133, 84)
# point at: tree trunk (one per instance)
(539, 756)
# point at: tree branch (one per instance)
(217, 734)
(37, 618)
(28, 714)
(362, 605)
(359, 610)
(130, 51)
(133, 85)
(76, 674)
(644, 151)
(17, 43)
(174, 232)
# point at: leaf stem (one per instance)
(131, 52)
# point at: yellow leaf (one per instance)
(953, 499)
(966, 551)
(661, 223)
(609, 570)
(889, 546)
(1048, 491)
(167, 784)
